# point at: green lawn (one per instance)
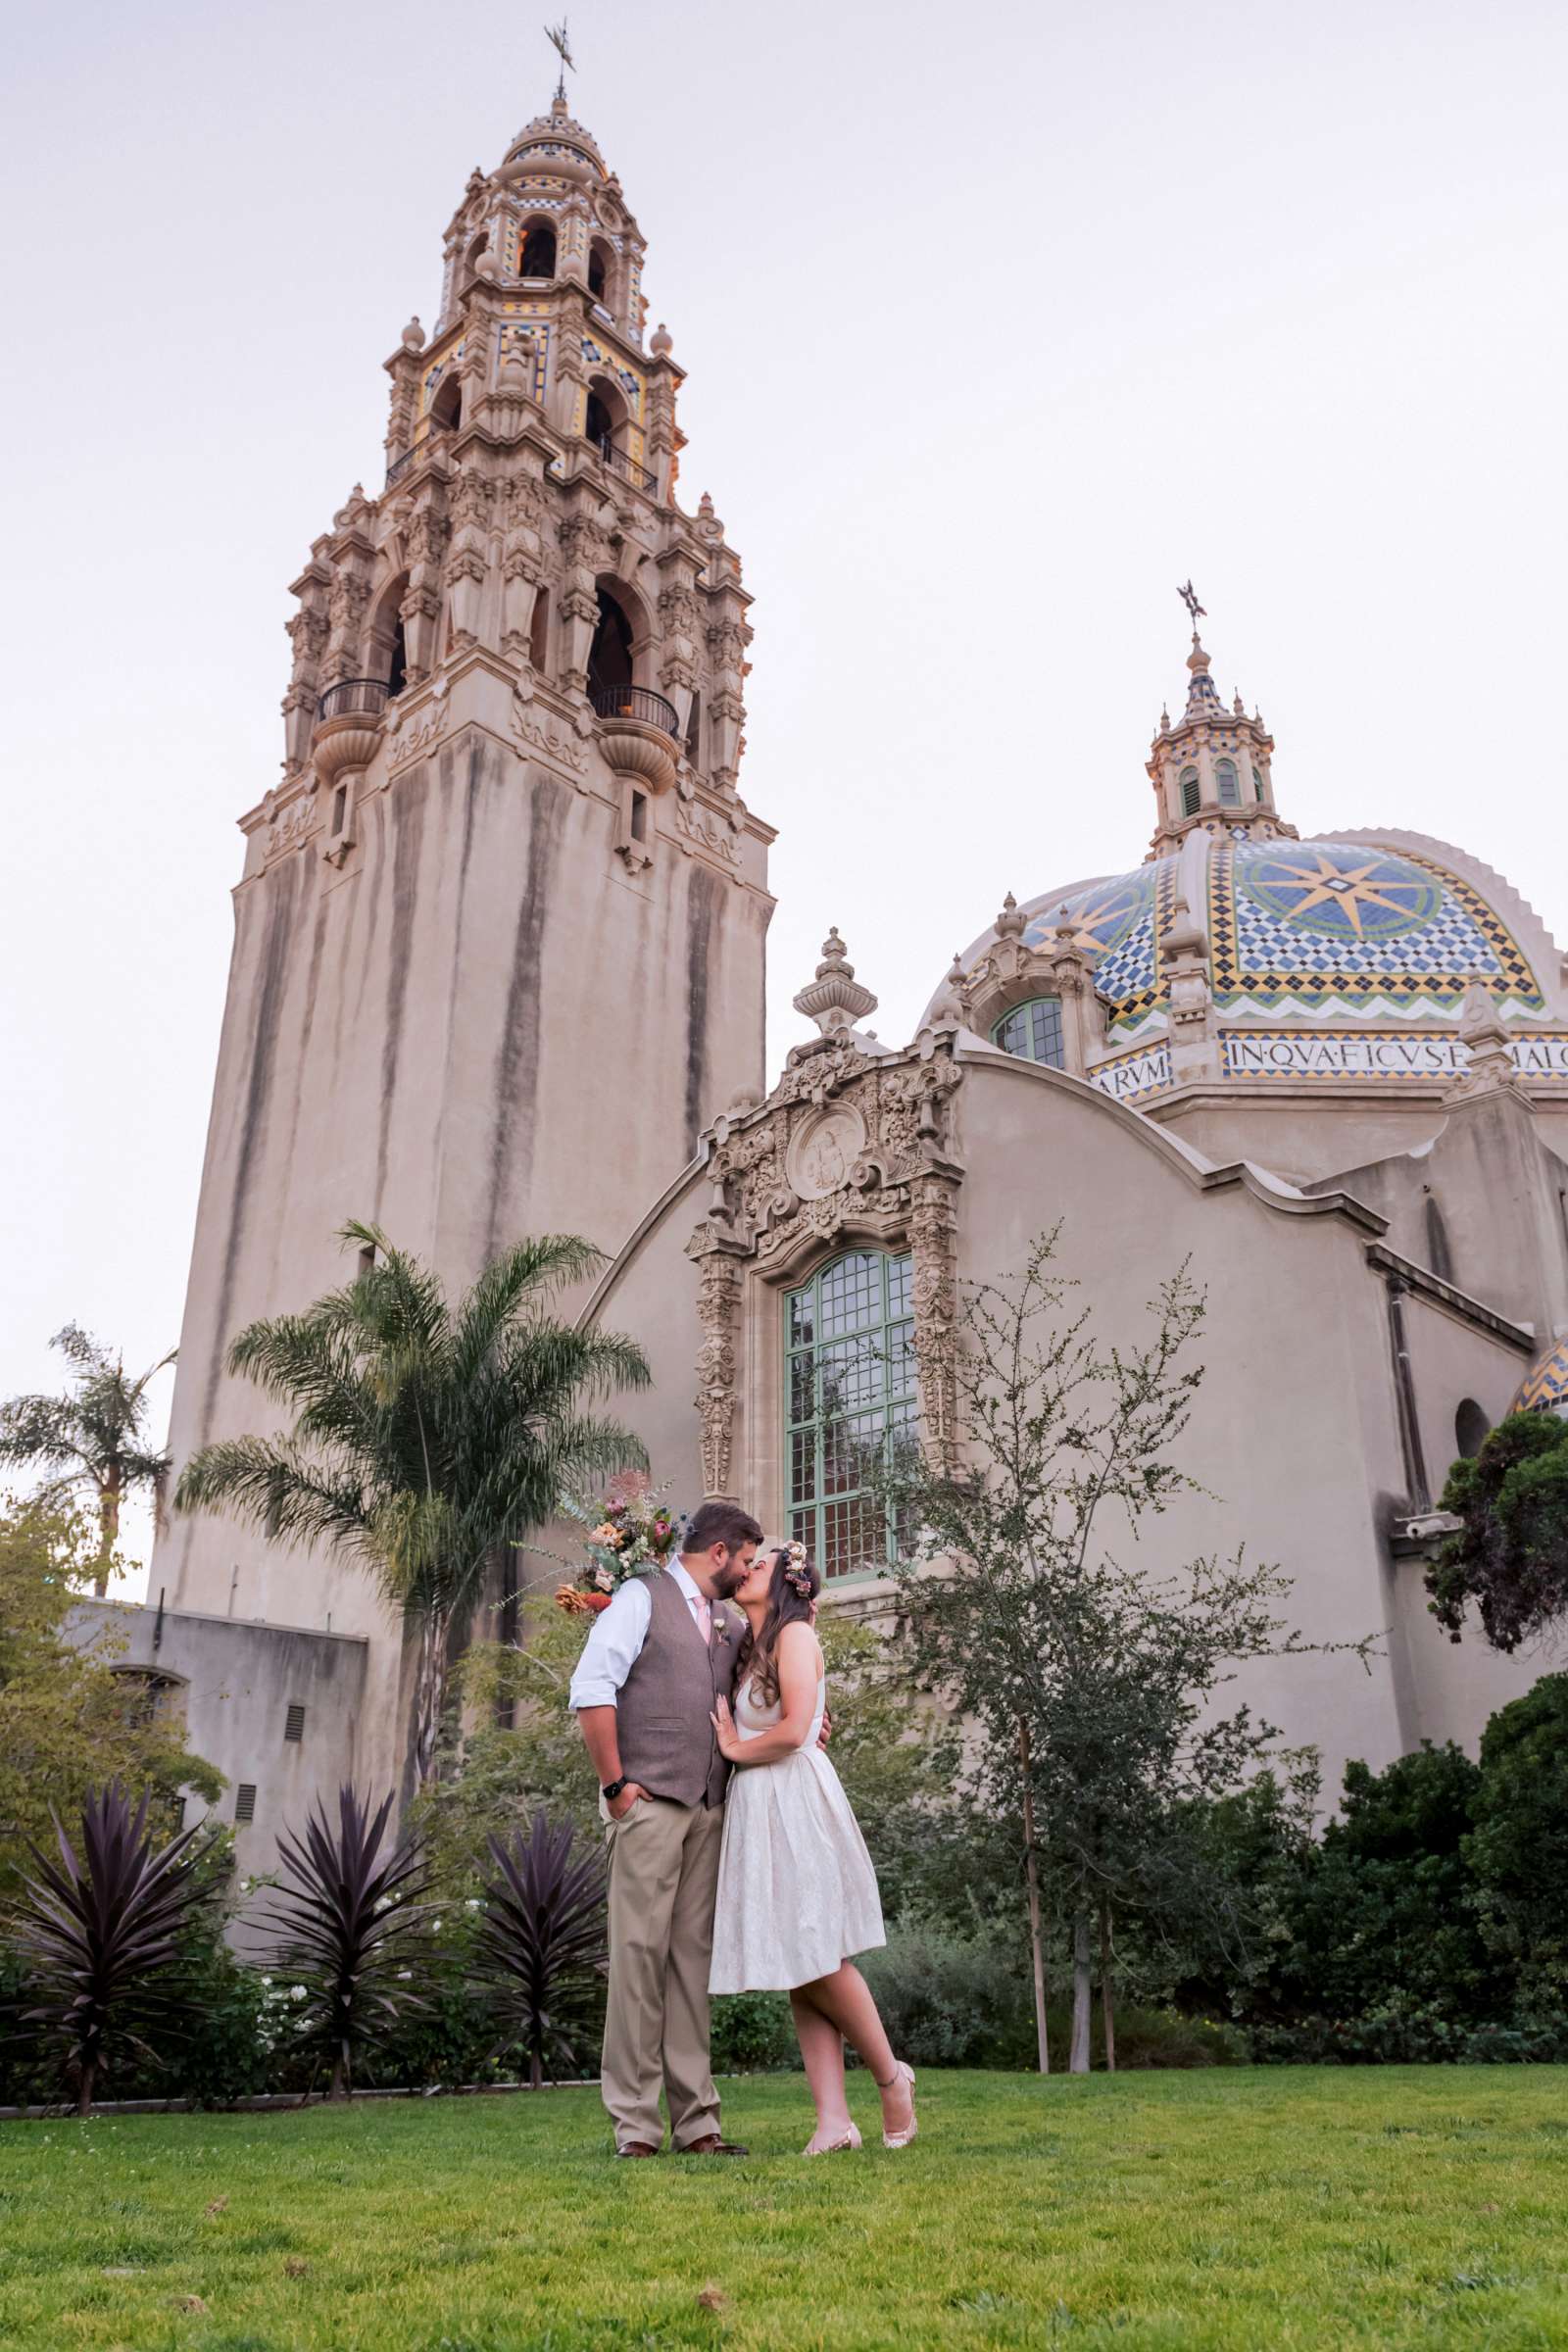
(1246, 2208)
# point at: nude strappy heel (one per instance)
(900, 2139)
(851, 2139)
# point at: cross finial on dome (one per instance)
(555, 36)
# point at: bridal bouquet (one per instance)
(631, 1531)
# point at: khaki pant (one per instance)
(664, 1876)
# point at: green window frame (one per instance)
(850, 1399)
(1227, 783)
(1258, 785)
(1034, 1032)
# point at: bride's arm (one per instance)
(799, 1665)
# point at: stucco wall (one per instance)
(237, 1683)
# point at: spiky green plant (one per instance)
(426, 1439)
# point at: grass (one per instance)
(1236, 2207)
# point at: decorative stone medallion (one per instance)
(822, 1153)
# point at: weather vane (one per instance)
(555, 36)
(1194, 610)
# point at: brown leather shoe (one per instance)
(636, 2147)
(711, 2144)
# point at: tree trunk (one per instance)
(536, 2069)
(108, 1527)
(84, 2089)
(1082, 1994)
(430, 1694)
(340, 2084)
(1107, 2004)
(1031, 1868)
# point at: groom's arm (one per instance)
(609, 1655)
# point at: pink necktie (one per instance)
(704, 1622)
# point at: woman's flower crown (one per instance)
(797, 1575)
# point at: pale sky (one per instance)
(999, 320)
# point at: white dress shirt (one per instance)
(616, 1644)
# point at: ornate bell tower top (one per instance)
(1212, 770)
(529, 523)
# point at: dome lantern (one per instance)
(1212, 770)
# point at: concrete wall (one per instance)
(482, 1027)
(236, 1682)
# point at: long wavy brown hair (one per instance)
(791, 1595)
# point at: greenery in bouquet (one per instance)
(631, 1530)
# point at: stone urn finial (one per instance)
(835, 1000)
(1009, 923)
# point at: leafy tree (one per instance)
(69, 1724)
(1390, 1902)
(427, 1439)
(1093, 1689)
(1511, 1557)
(1518, 1848)
(93, 1439)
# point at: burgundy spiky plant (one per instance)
(542, 1940)
(101, 1932)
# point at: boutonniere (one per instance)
(721, 1629)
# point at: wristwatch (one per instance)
(612, 1789)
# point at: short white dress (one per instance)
(797, 1892)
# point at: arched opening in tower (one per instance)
(597, 270)
(446, 409)
(610, 658)
(600, 422)
(398, 673)
(538, 251)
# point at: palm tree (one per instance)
(424, 1437)
(93, 1437)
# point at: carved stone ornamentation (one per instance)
(933, 1241)
(718, 1293)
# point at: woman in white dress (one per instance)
(797, 1892)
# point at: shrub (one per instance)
(541, 1942)
(754, 2033)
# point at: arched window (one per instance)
(1257, 784)
(610, 660)
(598, 270)
(850, 1400)
(386, 653)
(538, 258)
(1470, 1428)
(539, 632)
(1228, 783)
(1033, 1032)
(398, 673)
(1189, 791)
(605, 419)
(447, 406)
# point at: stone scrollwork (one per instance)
(718, 1293)
(850, 1144)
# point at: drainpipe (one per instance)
(157, 1622)
(1415, 1467)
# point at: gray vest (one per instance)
(662, 1715)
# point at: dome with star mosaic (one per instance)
(1343, 926)
(1237, 950)
(1544, 1386)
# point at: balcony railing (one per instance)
(635, 702)
(416, 455)
(627, 468)
(353, 697)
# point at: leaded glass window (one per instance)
(1033, 1031)
(1229, 784)
(850, 1400)
(1190, 792)
(1257, 784)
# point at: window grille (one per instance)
(1190, 792)
(245, 1801)
(294, 1723)
(1229, 784)
(1033, 1031)
(850, 1400)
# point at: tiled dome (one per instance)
(1319, 926)
(1544, 1386)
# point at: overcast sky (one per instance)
(1000, 321)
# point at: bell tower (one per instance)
(499, 934)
